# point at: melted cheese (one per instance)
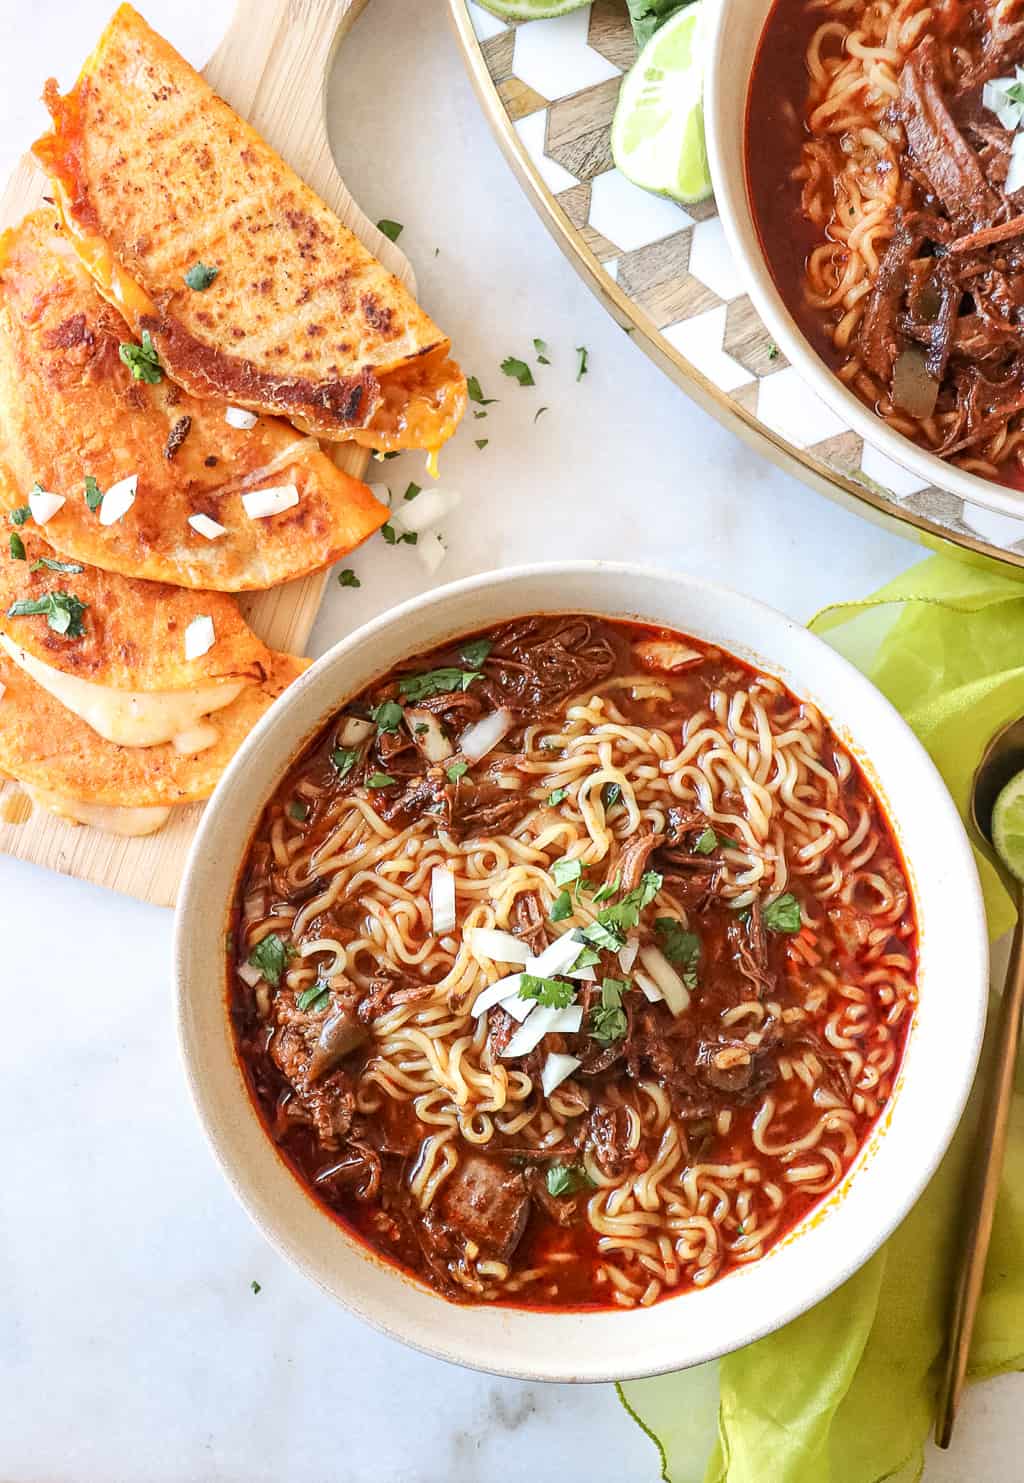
(133, 718)
(132, 822)
(116, 286)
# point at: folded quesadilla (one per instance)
(119, 693)
(151, 482)
(248, 286)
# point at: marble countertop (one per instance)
(133, 1346)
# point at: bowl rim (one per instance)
(446, 1334)
(728, 174)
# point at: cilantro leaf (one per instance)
(773, 350)
(581, 369)
(316, 997)
(567, 1179)
(609, 889)
(587, 959)
(391, 229)
(142, 360)
(93, 493)
(255, 1286)
(564, 872)
(47, 563)
(436, 682)
(348, 578)
(199, 276)
(380, 780)
(679, 946)
(18, 547)
(475, 652)
(62, 609)
(608, 1020)
(412, 491)
(561, 907)
(344, 759)
(783, 914)
(388, 715)
(298, 810)
(456, 770)
(21, 514)
(551, 992)
(542, 353)
(518, 370)
(476, 395)
(557, 796)
(481, 443)
(271, 956)
(647, 16)
(610, 795)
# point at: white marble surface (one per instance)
(131, 1345)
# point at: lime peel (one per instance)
(658, 129)
(1008, 825)
(530, 10)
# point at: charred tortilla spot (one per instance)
(177, 435)
(378, 316)
(73, 331)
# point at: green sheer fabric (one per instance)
(845, 1394)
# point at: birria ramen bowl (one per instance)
(581, 971)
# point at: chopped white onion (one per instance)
(3, 689)
(556, 957)
(431, 551)
(442, 898)
(249, 974)
(583, 975)
(666, 654)
(480, 738)
(118, 499)
(627, 954)
(354, 731)
(500, 947)
(531, 1032)
(1015, 174)
(262, 503)
(650, 989)
(204, 526)
(518, 1008)
(504, 988)
(568, 1020)
(239, 417)
(994, 98)
(427, 509)
(555, 1070)
(44, 505)
(199, 637)
(674, 991)
(426, 731)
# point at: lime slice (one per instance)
(531, 10)
(1008, 826)
(658, 128)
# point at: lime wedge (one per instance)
(1008, 826)
(531, 10)
(658, 128)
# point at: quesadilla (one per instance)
(249, 287)
(214, 502)
(118, 693)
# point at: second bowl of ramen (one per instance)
(869, 171)
(581, 972)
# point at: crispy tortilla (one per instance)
(71, 408)
(46, 746)
(154, 173)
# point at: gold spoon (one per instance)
(1003, 759)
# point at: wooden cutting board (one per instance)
(265, 66)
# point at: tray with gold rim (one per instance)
(548, 89)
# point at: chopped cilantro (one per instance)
(706, 842)
(518, 370)
(561, 907)
(21, 514)
(609, 931)
(610, 795)
(481, 443)
(551, 992)
(479, 414)
(783, 914)
(557, 796)
(392, 537)
(380, 780)
(344, 759)
(773, 350)
(142, 360)
(63, 612)
(436, 682)
(316, 997)
(587, 959)
(388, 715)
(391, 229)
(564, 872)
(271, 956)
(255, 1286)
(348, 578)
(581, 369)
(476, 395)
(93, 493)
(47, 563)
(608, 1020)
(680, 947)
(456, 771)
(567, 1179)
(199, 276)
(609, 889)
(412, 491)
(18, 547)
(298, 810)
(542, 353)
(475, 651)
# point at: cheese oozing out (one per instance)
(130, 822)
(134, 718)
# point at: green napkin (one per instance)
(846, 1393)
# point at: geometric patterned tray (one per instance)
(549, 90)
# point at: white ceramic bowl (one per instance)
(893, 1167)
(736, 27)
